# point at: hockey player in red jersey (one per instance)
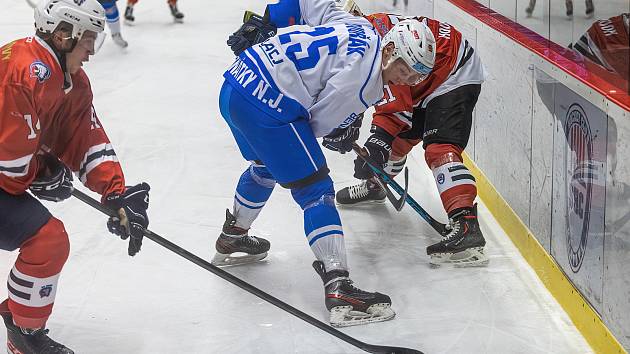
(607, 43)
(438, 113)
(50, 130)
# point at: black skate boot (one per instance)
(530, 8)
(236, 240)
(177, 15)
(30, 341)
(351, 306)
(365, 192)
(569, 6)
(590, 9)
(463, 245)
(129, 18)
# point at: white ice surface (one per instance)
(158, 102)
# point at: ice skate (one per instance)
(30, 341)
(463, 246)
(348, 305)
(129, 18)
(569, 6)
(235, 247)
(590, 9)
(177, 15)
(365, 192)
(118, 39)
(530, 8)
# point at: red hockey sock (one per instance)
(33, 280)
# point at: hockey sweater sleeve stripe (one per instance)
(19, 139)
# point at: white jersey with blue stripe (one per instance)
(332, 67)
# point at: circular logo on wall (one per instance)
(579, 169)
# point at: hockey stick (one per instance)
(438, 226)
(397, 203)
(32, 3)
(370, 348)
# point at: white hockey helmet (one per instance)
(349, 6)
(414, 43)
(83, 15)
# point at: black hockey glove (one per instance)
(255, 30)
(53, 181)
(341, 140)
(379, 147)
(132, 217)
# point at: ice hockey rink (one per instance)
(158, 101)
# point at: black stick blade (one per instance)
(378, 349)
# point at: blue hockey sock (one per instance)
(252, 192)
(322, 224)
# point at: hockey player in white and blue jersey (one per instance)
(278, 97)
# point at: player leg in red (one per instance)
(463, 245)
(129, 17)
(447, 123)
(43, 245)
(178, 16)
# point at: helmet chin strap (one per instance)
(61, 55)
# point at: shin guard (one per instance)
(32, 283)
(454, 181)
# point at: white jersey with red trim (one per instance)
(456, 65)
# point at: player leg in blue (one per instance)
(292, 157)
(113, 22)
(235, 246)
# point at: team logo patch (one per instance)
(415, 34)
(580, 172)
(45, 291)
(39, 70)
(440, 178)
(380, 26)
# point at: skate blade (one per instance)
(345, 316)
(11, 349)
(121, 45)
(363, 203)
(472, 257)
(225, 260)
(178, 20)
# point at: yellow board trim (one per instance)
(584, 317)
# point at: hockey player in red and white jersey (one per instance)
(49, 130)
(438, 113)
(607, 43)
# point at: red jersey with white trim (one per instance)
(607, 43)
(456, 64)
(37, 113)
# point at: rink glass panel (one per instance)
(578, 203)
(549, 20)
(521, 145)
(617, 231)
